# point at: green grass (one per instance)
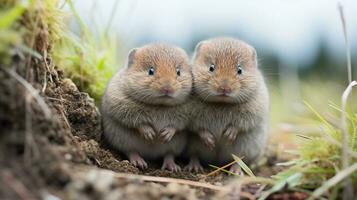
(21, 22)
(319, 156)
(89, 60)
(9, 36)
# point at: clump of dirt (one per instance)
(77, 108)
(103, 158)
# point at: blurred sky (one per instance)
(291, 29)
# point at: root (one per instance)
(179, 181)
(32, 91)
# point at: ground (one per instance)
(51, 146)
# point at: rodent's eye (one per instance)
(178, 71)
(239, 69)
(211, 68)
(151, 71)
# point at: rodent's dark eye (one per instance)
(151, 71)
(239, 70)
(211, 68)
(178, 71)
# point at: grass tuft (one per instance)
(320, 161)
(87, 59)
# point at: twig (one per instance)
(344, 102)
(65, 119)
(224, 170)
(348, 191)
(220, 168)
(179, 181)
(32, 91)
(45, 73)
(169, 180)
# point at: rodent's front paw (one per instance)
(207, 138)
(167, 133)
(231, 134)
(147, 132)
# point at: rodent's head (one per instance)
(225, 70)
(158, 74)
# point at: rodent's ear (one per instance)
(131, 56)
(254, 53)
(198, 48)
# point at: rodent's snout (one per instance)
(224, 89)
(167, 90)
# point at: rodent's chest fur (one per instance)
(217, 117)
(163, 116)
(132, 114)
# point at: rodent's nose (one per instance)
(167, 90)
(225, 89)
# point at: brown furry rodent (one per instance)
(230, 104)
(143, 108)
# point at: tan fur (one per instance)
(133, 99)
(245, 109)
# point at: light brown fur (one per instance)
(137, 117)
(236, 122)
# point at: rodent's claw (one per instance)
(138, 161)
(208, 139)
(167, 133)
(194, 166)
(170, 164)
(231, 134)
(235, 169)
(147, 132)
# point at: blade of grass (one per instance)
(291, 180)
(10, 16)
(243, 165)
(304, 136)
(288, 163)
(333, 181)
(320, 117)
